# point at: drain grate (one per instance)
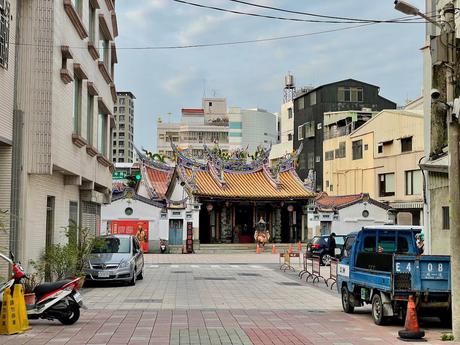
(144, 300)
(250, 274)
(181, 272)
(290, 283)
(214, 278)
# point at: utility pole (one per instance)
(453, 143)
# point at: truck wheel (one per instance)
(377, 310)
(346, 303)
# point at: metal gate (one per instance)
(91, 217)
(175, 231)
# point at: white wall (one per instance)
(259, 128)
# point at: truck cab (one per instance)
(382, 266)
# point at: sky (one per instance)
(252, 75)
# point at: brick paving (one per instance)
(181, 302)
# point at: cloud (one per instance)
(177, 84)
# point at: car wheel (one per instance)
(325, 259)
(346, 303)
(377, 310)
(140, 276)
(132, 282)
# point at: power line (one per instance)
(321, 15)
(230, 43)
(293, 19)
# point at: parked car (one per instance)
(317, 246)
(116, 258)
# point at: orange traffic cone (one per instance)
(299, 246)
(411, 329)
(273, 249)
(290, 249)
(258, 249)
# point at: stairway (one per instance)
(232, 248)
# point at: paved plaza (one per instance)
(215, 299)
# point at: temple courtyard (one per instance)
(211, 299)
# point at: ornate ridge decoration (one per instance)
(217, 174)
(151, 162)
(288, 162)
(187, 182)
(274, 179)
(150, 190)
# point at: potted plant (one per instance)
(33, 280)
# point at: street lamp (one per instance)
(448, 30)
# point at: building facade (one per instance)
(286, 132)
(63, 120)
(123, 134)
(7, 59)
(249, 128)
(381, 158)
(309, 109)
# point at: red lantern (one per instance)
(290, 208)
(209, 207)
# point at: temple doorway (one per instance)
(244, 224)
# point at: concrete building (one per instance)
(309, 109)
(381, 158)
(198, 126)
(249, 128)
(286, 133)
(63, 119)
(7, 58)
(123, 134)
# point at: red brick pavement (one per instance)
(273, 327)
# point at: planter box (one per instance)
(29, 298)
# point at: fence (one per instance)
(306, 262)
(332, 273)
(316, 270)
(287, 260)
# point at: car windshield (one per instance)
(340, 240)
(112, 245)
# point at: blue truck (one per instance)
(382, 266)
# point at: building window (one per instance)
(129, 211)
(289, 113)
(365, 213)
(406, 144)
(318, 159)
(386, 184)
(73, 212)
(4, 33)
(76, 105)
(235, 125)
(357, 149)
(300, 132)
(380, 148)
(366, 147)
(102, 134)
(121, 118)
(77, 5)
(121, 160)
(92, 23)
(301, 103)
(290, 137)
(309, 129)
(329, 156)
(313, 98)
(104, 49)
(414, 182)
(121, 143)
(310, 160)
(121, 127)
(445, 218)
(350, 94)
(122, 101)
(341, 151)
(331, 188)
(90, 119)
(319, 126)
(122, 109)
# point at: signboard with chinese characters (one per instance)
(189, 237)
(138, 228)
(119, 175)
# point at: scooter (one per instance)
(59, 300)
(162, 246)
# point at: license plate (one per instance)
(103, 274)
(77, 297)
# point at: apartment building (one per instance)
(7, 58)
(309, 109)
(381, 157)
(285, 144)
(63, 119)
(123, 134)
(249, 128)
(198, 126)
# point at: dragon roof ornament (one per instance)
(155, 163)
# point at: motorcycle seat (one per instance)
(44, 288)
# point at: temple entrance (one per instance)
(244, 225)
(205, 226)
(285, 228)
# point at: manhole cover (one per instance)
(250, 274)
(290, 283)
(314, 311)
(181, 272)
(144, 300)
(214, 278)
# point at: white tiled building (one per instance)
(65, 97)
(123, 134)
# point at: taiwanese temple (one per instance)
(222, 198)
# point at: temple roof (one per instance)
(158, 179)
(324, 201)
(248, 185)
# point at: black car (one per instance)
(317, 246)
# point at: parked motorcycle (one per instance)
(58, 300)
(163, 246)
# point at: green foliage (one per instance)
(33, 280)
(447, 337)
(67, 260)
